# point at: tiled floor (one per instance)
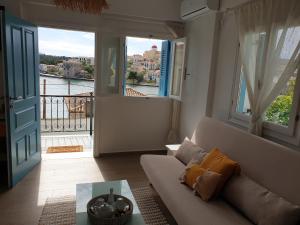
(23, 204)
(57, 139)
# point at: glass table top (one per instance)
(85, 192)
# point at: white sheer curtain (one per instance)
(269, 35)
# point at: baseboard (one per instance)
(156, 152)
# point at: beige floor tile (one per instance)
(23, 204)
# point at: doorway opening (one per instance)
(67, 72)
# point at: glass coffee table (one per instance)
(85, 192)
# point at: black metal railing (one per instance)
(67, 113)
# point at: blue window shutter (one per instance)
(242, 96)
(164, 68)
(125, 68)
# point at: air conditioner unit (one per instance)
(192, 8)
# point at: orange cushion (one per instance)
(217, 162)
(192, 173)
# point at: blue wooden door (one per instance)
(22, 90)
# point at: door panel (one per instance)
(25, 118)
(21, 155)
(33, 143)
(17, 63)
(22, 91)
(30, 64)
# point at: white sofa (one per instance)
(269, 164)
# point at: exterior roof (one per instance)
(133, 93)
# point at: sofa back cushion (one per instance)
(271, 165)
(258, 204)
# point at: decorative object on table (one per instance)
(109, 209)
(84, 6)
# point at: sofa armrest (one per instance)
(172, 149)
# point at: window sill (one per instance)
(273, 132)
(239, 120)
(147, 97)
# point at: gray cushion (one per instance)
(259, 204)
(186, 208)
(187, 151)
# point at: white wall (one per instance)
(213, 47)
(131, 124)
(195, 99)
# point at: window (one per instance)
(243, 104)
(178, 67)
(144, 64)
(141, 67)
(279, 112)
(281, 115)
(149, 65)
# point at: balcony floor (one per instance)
(63, 139)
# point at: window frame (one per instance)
(234, 116)
(124, 68)
(286, 134)
(173, 44)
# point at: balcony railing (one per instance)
(67, 113)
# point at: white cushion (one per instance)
(187, 151)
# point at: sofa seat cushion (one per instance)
(186, 208)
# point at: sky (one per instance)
(74, 43)
(66, 43)
(140, 45)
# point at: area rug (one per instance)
(61, 211)
(65, 149)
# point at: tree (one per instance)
(52, 60)
(89, 68)
(129, 63)
(132, 76)
(140, 77)
(280, 109)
